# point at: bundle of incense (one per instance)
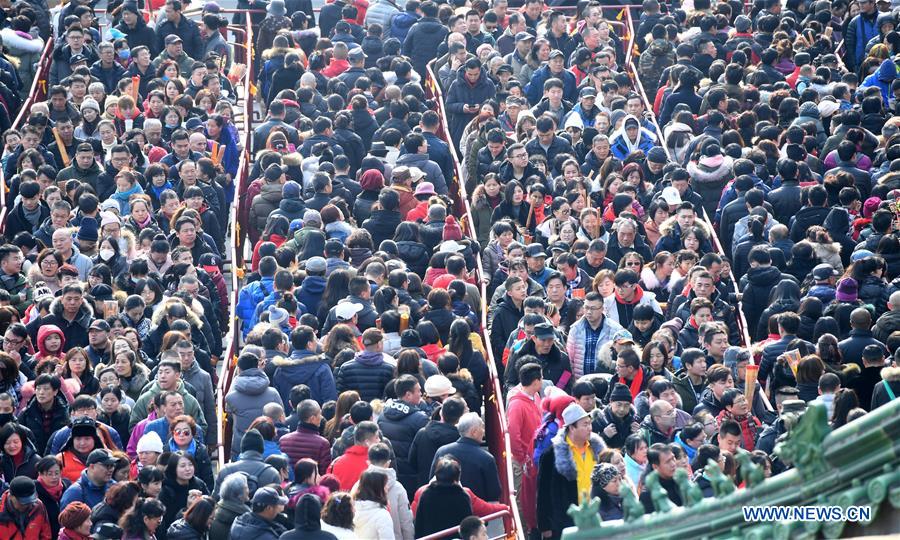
(217, 153)
(62, 148)
(135, 85)
(750, 382)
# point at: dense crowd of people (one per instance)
(678, 239)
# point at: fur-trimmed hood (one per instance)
(702, 173)
(669, 225)
(296, 359)
(292, 159)
(891, 374)
(650, 281)
(562, 454)
(193, 314)
(268, 54)
(823, 250)
(85, 312)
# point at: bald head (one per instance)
(894, 301)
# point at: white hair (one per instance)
(234, 488)
(468, 422)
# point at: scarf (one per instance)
(493, 202)
(584, 465)
(123, 196)
(74, 535)
(630, 145)
(749, 426)
(191, 449)
(54, 491)
(638, 294)
(158, 190)
(635, 386)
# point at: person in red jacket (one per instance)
(524, 414)
(22, 515)
(349, 466)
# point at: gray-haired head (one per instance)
(468, 423)
(235, 488)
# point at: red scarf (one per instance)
(635, 386)
(638, 294)
(694, 323)
(749, 425)
(54, 491)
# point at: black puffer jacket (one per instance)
(368, 374)
(399, 423)
(307, 525)
(381, 225)
(181, 530)
(414, 254)
(760, 281)
(875, 291)
(426, 444)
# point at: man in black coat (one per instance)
(785, 200)
(853, 348)
(813, 214)
(424, 38)
(756, 286)
(465, 96)
(662, 459)
(383, 223)
(286, 77)
(182, 27)
(479, 468)
(557, 474)
(29, 213)
(434, 436)
(504, 319)
(400, 422)
(276, 119)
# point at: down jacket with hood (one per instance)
(886, 390)
(304, 367)
(882, 79)
(399, 423)
(659, 55)
(307, 524)
(75, 332)
(32, 417)
(760, 281)
(398, 504)
(368, 374)
(246, 399)
(250, 526)
(670, 236)
(708, 178)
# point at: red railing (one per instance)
(37, 93)
(235, 248)
(452, 531)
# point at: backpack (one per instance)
(543, 436)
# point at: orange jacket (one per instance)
(72, 467)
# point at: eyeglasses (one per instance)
(182, 432)
(14, 342)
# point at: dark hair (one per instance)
(132, 522)
(371, 487)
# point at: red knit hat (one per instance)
(156, 154)
(74, 515)
(452, 230)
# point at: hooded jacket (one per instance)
(246, 399)
(304, 367)
(250, 526)
(368, 373)
(623, 426)
(33, 418)
(34, 525)
(421, 42)
(426, 443)
(307, 524)
(659, 55)
(399, 423)
(760, 282)
(882, 79)
(463, 93)
(74, 332)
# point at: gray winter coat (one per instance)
(430, 168)
(205, 396)
(246, 399)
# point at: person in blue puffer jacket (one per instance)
(304, 366)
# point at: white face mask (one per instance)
(107, 254)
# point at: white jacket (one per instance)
(371, 521)
(611, 311)
(398, 505)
